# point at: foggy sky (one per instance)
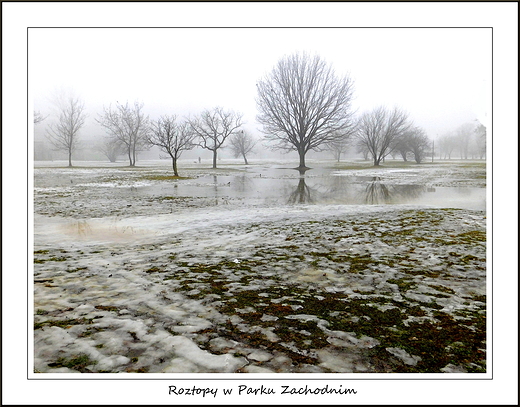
(440, 76)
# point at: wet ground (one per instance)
(260, 269)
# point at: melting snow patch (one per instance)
(404, 356)
(223, 363)
(453, 369)
(260, 356)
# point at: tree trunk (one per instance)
(245, 159)
(302, 159)
(133, 156)
(70, 157)
(174, 164)
(215, 158)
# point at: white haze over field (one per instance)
(440, 76)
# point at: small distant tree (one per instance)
(418, 143)
(402, 145)
(171, 137)
(379, 131)
(363, 149)
(446, 145)
(241, 144)
(464, 135)
(339, 145)
(111, 148)
(127, 125)
(213, 127)
(303, 105)
(64, 133)
(481, 140)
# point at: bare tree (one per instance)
(241, 144)
(363, 149)
(171, 137)
(402, 145)
(379, 131)
(64, 134)
(480, 140)
(418, 143)
(303, 105)
(213, 127)
(38, 117)
(128, 125)
(447, 144)
(339, 146)
(464, 134)
(111, 148)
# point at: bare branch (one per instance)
(64, 134)
(213, 127)
(379, 130)
(242, 144)
(38, 117)
(303, 105)
(128, 125)
(171, 137)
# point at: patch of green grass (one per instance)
(155, 269)
(107, 308)
(474, 236)
(54, 258)
(79, 362)
(403, 283)
(64, 323)
(443, 289)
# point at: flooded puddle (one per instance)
(267, 185)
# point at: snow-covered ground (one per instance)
(260, 270)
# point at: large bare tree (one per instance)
(242, 143)
(64, 133)
(171, 137)
(380, 130)
(128, 125)
(303, 105)
(213, 127)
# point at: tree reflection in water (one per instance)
(303, 193)
(243, 183)
(377, 192)
(369, 192)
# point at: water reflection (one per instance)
(271, 186)
(302, 194)
(243, 183)
(342, 191)
(376, 192)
